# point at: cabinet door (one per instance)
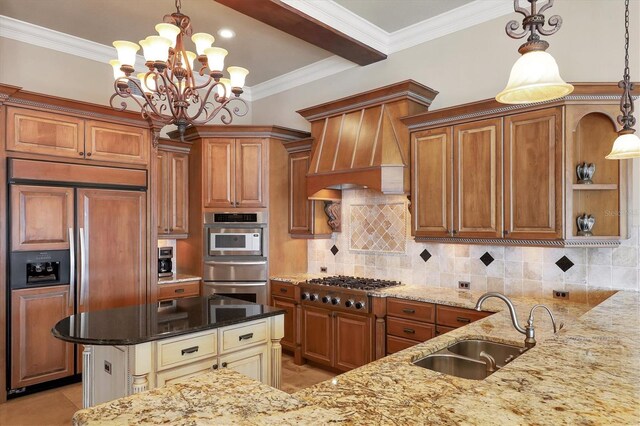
(352, 341)
(431, 188)
(477, 177)
(317, 340)
(251, 168)
(250, 362)
(162, 192)
(178, 193)
(169, 377)
(112, 242)
(44, 133)
(300, 214)
(290, 321)
(114, 142)
(37, 356)
(219, 172)
(533, 179)
(41, 217)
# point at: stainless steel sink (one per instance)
(501, 353)
(454, 366)
(471, 359)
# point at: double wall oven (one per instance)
(235, 264)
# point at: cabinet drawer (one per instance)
(244, 335)
(181, 350)
(397, 344)
(418, 311)
(177, 290)
(457, 317)
(440, 329)
(410, 329)
(282, 289)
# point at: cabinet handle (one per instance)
(409, 331)
(454, 232)
(81, 153)
(224, 365)
(409, 311)
(88, 154)
(179, 290)
(214, 366)
(170, 229)
(72, 267)
(284, 290)
(190, 350)
(463, 319)
(505, 233)
(245, 337)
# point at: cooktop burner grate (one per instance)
(356, 283)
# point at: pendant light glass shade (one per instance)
(535, 77)
(625, 146)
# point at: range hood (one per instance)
(361, 142)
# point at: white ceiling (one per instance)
(276, 60)
(393, 15)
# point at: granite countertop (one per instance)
(588, 373)
(296, 279)
(178, 278)
(223, 397)
(136, 324)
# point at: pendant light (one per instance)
(627, 144)
(535, 76)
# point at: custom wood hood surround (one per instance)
(360, 140)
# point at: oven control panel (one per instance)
(336, 299)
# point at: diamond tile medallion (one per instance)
(334, 250)
(486, 258)
(425, 255)
(564, 263)
(380, 228)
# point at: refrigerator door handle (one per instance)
(83, 271)
(72, 266)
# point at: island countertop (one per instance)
(588, 373)
(132, 325)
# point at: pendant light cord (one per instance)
(626, 120)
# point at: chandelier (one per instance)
(627, 144)
(535, 76)
(169, 92)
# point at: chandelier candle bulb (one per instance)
(148, 84)
(189, 59)
(158, 48)
(224, 88)
(168, 31)
(237, 76)
(126, 54)
(117, 72)
(203, 41)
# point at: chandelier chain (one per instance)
(627, 74)
(627, 120)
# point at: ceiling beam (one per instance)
(290, 20)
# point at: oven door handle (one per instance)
(239, 263)
(235, 284)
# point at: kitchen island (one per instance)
(133, 349)
(588, 373)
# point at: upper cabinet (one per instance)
(485, 173)
(235, 172)
(172, 190)
(60, 135)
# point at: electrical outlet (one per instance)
(464, 285)
(560, 294)
(323, 269)
(107, 367)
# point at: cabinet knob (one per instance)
(454, 232)
(88, 154)
(224, 365)
(214, 366)
(505, 232)
(81, 153)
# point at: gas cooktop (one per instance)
(355, 283)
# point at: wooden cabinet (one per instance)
(457, 181)
(47, 133)
(37, 356)
(59, 135)
(410, 322)
(112, 243)
(235, 172)
(115, 142)
(307, 218)
(431, 182)
(286, 296)
(42, 217)
(317, 338)
(353, 341)
(172, 206)
(178, 290)
(477, 179)
(533, 175)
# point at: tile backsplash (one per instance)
(534, 271)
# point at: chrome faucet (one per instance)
(528, 330)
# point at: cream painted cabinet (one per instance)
(250, 362)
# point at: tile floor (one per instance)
(56, 406)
